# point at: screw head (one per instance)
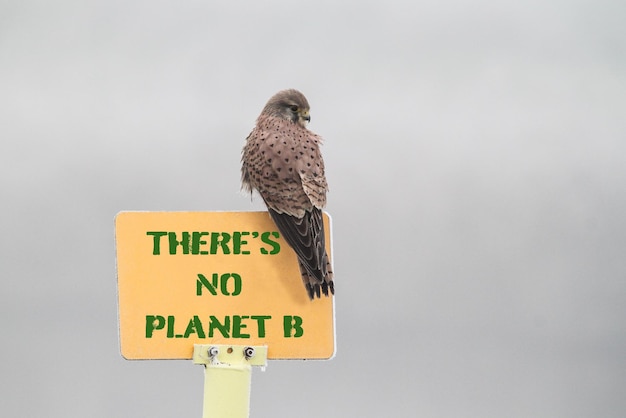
(248, 352)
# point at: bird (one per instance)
(281, 160)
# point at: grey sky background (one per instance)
(476, 155)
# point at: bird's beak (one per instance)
(306, 116)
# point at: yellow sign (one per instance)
(188, 278)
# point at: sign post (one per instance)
(220, 281)
(227, 376)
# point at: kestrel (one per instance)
(282, 161)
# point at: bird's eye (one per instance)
(293, 108)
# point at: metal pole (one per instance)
(227, 377)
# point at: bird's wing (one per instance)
(306, 236)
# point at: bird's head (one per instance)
(290, 105)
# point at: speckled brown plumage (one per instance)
(282, 161)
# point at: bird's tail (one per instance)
(315, 287)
